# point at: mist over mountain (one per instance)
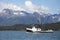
(11, 17)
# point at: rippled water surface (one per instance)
(22, 35)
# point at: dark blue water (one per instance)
(22, 35)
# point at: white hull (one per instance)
(38, 31)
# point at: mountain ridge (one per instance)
(10, 17)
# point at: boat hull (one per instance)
(39, 31)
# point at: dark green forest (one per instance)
(22, 27)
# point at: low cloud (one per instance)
(10, 6)
(29, 6)
(34, 8)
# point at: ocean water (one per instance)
(22, 35)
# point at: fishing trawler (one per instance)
(38, 30)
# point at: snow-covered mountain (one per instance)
(11, 17)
